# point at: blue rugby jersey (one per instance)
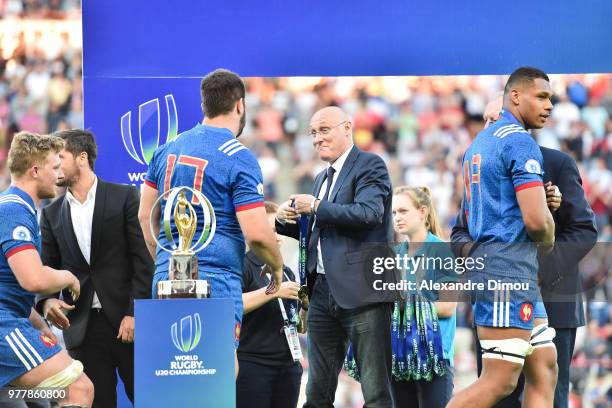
(213, 161)
(502, 160)
(19, 230)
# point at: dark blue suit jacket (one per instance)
(354, 226)
(575, 236)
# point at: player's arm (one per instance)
(33, 276)
(260, 238)
(536, 216)
(257, 298)
(247, 197)
(147, 199)
(523, 159)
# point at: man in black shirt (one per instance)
(269, 377)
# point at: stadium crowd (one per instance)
(420, 126)
(47, 9)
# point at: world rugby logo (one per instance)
(186, 333)
(148, 129)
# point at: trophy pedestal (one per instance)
(181, 289)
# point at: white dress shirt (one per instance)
(337, 165)
(82, 217)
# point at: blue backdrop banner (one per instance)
(134, 116)
(184, 353)
(187, 38)
(143, 60)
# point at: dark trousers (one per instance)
(102, 355)
(262, 386)
(330, 327)
(564, 341)
(424, 394)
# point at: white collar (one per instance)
(337, 165)
(91, 194)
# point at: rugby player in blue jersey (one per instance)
(209, 158)
(507, 216)
(29, 354)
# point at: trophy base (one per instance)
(182, 289)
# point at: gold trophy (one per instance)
(183, 277)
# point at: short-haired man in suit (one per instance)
(93, 231)
(350, 212)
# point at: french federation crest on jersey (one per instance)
(21, 233)
(260, 189)
(47, 341)
(526, 312)
(532, 166)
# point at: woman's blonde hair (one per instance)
(421, 197)
(28, 149)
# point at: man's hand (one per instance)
(53, 311)
(288, 290)
(126, 330)
(553, 196)
(286, 213)
(276, 279)
(492, 111)
(303, 324)
(74, 287)
(303, 203)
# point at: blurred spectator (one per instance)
(40, 70)
(595, 116)
(54, 9)
(564, 113)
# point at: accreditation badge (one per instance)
(293, 341)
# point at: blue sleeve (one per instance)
(152, 178)
(18, 231)
(522, 160)
(247, 182)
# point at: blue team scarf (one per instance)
(416, 341)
